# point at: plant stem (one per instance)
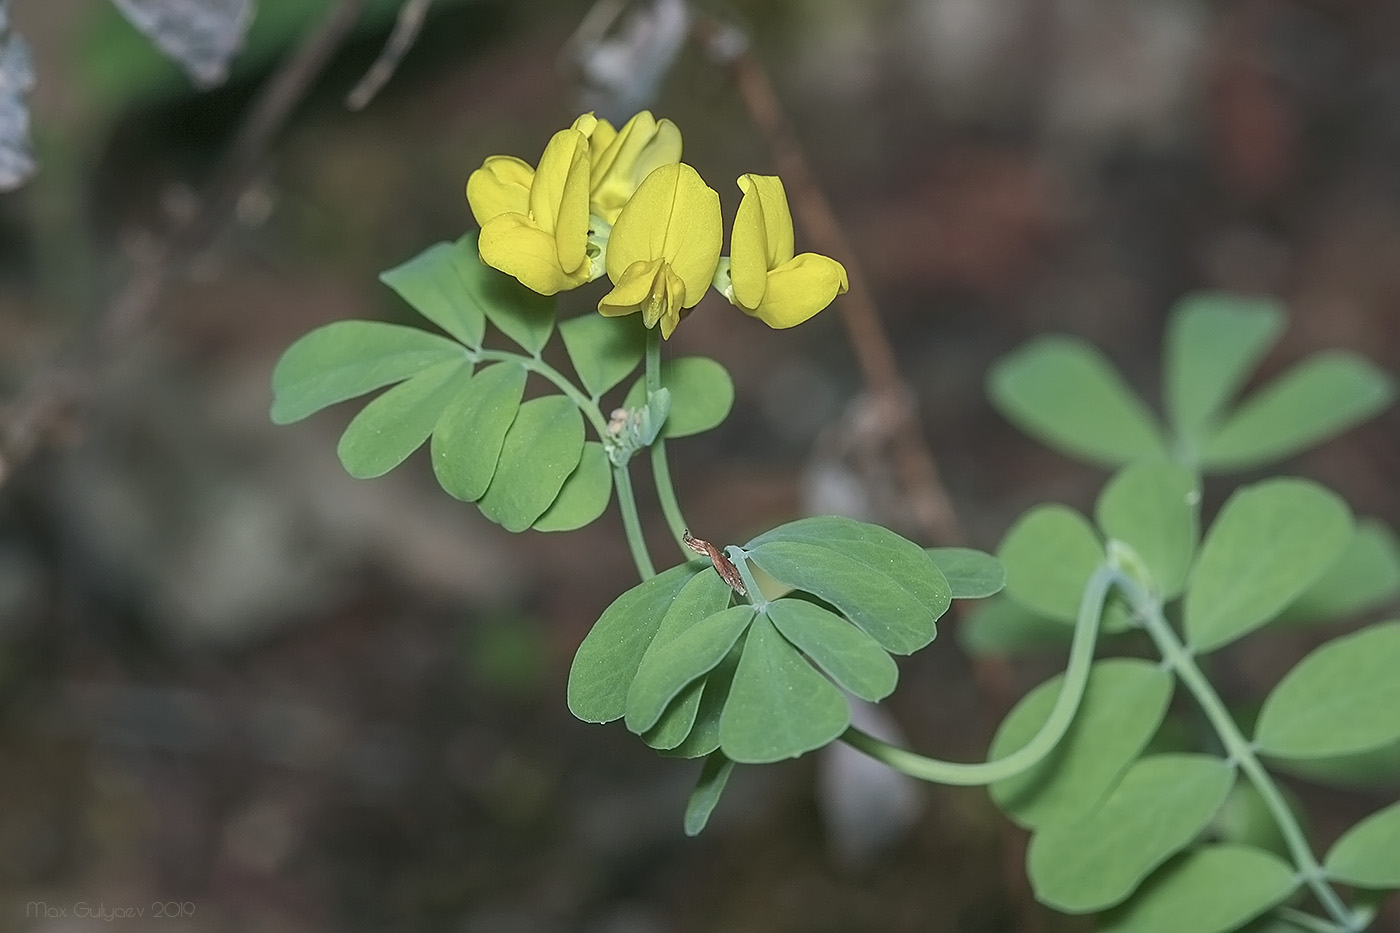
(1149, 609)
(666, 492)
(1306, 921)
(660, 468)
(1081, 657)
(631, 524)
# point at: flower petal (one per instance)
(777, 217)
(559, 196)
(643, 145)
(674, 216)
(500, 186)
(651, 287)
(517, 246)
(799, 289)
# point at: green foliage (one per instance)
(1098, 859)
(1049, 555)
(1342, 699)
(701, 395)
(1368, 855)
(1366, 576)
(1122, 707)
(970, 574)
(1155, 506)
(1207, 890)
(604, 350)
(1063, 392)
(397, 423)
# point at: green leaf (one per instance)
(1369, 770)
(607, 660)
(1318, 399)
(1367, 855)
(970, 574)
(670, 668)
(702, 597)
(779, 706)
(346, 359)
(438, 284)
(1208, 890)
(883, 583)
(468, 437)
(1268, 544)
(677, 720)
(1365, 577)
(1342, 699)
(1002, 626)
(704, 734)
(1213, 342)
(1123, 705)
(397, 423)
(849, 656)
(1097, 860)
(522, 315)
(713, 776)
(1064, 393)
(585, 494)
(701, 395)
(604, 350)
(1154, 507)
(543, 446)
(1050, 554)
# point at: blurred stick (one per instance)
(69, 380)
(918, 471)
(406, 29)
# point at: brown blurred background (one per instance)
(234, 678)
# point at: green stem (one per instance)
(1306, 921)
(585, 404)
(631, 524)
(1081, 657)
(1175, 654)
(666, 492)
(740, 559)
(660, 468)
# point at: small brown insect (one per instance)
(723, 565)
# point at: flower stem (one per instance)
(660, 468)
(631, 524)
(1149, 610)
(1081, 657)
(666, 492)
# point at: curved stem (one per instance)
(1081, 657)
(631, 524)
(670, 506)
(585, 404)
(1174, 653)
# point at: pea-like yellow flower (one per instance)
(664, 248)
(766, 280)
(545, 246)
(622, 159)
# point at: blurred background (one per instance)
(239, 684)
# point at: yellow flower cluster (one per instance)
(621, 202)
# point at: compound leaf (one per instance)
(971, 574)
(604, 350)
(1367, 854)
(1153, 507)
(849, 656)
(1049, 555)
(397, 423)
(467, 439)
(585, 494)
(701, 395)
(1211, 889)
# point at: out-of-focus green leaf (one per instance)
(1153, 507)
(1213, 342)
(1342, 699)
(1049, 555)
(1268, 544)
(1365, 577)
(1188, 893)
(1368, 854)
(1063, 392)
(1318, 399)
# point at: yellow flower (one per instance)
(664, 248)
(767, 281)
(621, 159)
(500, 186)
(545, 246)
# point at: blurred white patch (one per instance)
(623, 51)
(202, 36)
(866, 806)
